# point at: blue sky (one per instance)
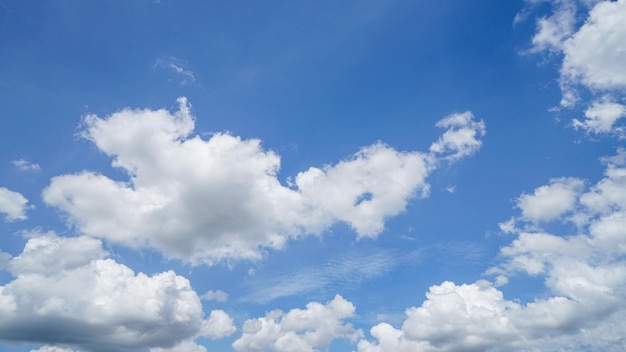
(323, 176)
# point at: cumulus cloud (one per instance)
(25, 165)
(13, 205)
(601, 117)
(593, 53)
(208, 200)
(462, 137)
(66, 292)
(553, 30)
(584, 276)
(218, 325)
(551, 201)
(306, 329)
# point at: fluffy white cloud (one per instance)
(601, 117)
(300, 329)
(593, 54)
(551, 201)
(462, 137)
(553, 30)
(67, 292)
(364, 190)
(584, 276)
(209, 200)
(13, 205)
(218, 325)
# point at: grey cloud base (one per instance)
(66, 292)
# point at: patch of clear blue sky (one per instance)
(315, 81)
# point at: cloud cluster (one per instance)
(13, 205)
(208, 200)
(66, 292)
(584, 276)
(593, 56)
(299, 329)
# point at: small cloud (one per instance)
(217, 295)
(25, 165)
(501, 280)
(179, 68)
(451, 189)
(508, 226)
(13, 205)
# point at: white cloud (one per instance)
(217, 295)
(218, 325)
(300, 329)
(25, 165)
(13, 205)
(553, 30)
(185, 346)
(48, 348)
(66, 291)
(208, 200)
(601, 117)
(551, 201)
(364, 190)
(462, 137)
(508, 226)
(593, 53)
(583, 307)
(178, 68)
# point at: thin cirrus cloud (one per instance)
(345, 272)
(204, 201)
(66, 291)
(178, 68)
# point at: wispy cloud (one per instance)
(25, 165)
(178, 67)
(217, 295)
(348, 271)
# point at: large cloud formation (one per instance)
(65, 291)
(208, 200)
(584, 275)
(593, 58)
